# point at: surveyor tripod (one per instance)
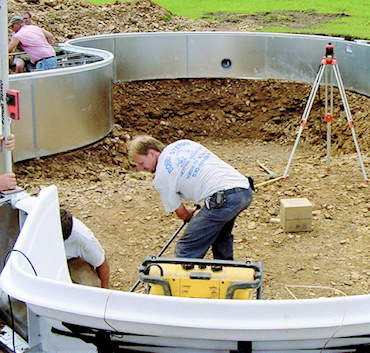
(328, 61)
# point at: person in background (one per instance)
(185, 169)
(35, 41)
(21, 64)
(86, 257)
(27, 18)
(7, 181)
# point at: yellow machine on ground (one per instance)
(201, 278)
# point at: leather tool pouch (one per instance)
(218, 198)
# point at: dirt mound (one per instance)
(294, 20)
(266, 110)
(68, 19)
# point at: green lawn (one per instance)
(356, 25)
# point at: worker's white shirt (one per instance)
(189, 170)
(82, 243)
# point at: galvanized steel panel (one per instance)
(74, 112)
(354, 66)
(102, 42)
(148, 57)
(23, 129)
(293, 57)
(226, 55)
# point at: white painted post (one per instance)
(4, 84)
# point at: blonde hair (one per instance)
(142, 144)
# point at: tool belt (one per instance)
(219, 198)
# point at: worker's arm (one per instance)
(185, 213)
(12, 44)
(49, 37)
(103, 273)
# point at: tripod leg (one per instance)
(328, 115)
(328, 146)
(305, 116)
(349, 119)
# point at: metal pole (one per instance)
(327, 123)
(178, 230)
(174, 235)
(328, 117)
(4, 84)
(331, 111)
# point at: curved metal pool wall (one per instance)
(65, 108)
(149, 56)
(68, 108)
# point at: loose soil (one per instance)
(242, 121)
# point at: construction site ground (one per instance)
(244, 122)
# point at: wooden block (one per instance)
(296, 215)
(297, 225)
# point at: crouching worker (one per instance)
(86, 258)
(187, 170)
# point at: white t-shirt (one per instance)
(189, 170)
(82, 243)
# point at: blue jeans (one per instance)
(213, 227)
(46, 64)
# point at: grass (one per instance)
(356, 25)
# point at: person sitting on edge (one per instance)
(7, 181)
(186, 169)
(86, 257)
(35, 41)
